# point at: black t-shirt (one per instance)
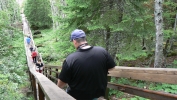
(85, 71)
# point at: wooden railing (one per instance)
(52, 72)
(42, 87)
(162, 75)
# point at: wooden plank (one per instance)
(163, 75)
(50, 73)
(41, 94)
(56, 75)
(107, 89)
(52, 66)
(147, 70)
(50, 70)
(153, 95)
(34, 87)
(30, 79)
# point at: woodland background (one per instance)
(126, 28)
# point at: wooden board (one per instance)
(163, 75)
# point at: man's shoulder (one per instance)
(72, 55)
(99, 47)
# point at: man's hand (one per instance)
(61, 84)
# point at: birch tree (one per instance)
(159, 34)
(54, 10)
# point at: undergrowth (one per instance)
(13, 76)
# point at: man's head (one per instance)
(78, 37)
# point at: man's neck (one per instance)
(82, 45)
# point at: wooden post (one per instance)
(56, 74)
(34, 87)
(45, 69)
(107, 89)
(31, 81)
(41, 93)
(50, 73)
(29, 75)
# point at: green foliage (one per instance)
(54, 51)
(135, 98)
(163, 87)
(12, 70)
(3, 23)
(8, 89)
(37, 13)
(173, 65)
(117, 93)
(125, 81)
(169, 88)
(12, 60)
(129, 21)
(132, 55)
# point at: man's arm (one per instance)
(61, 84)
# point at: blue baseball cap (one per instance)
(76, 34)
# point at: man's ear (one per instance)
(75, 43)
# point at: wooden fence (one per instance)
(162, 75)
(52, 72)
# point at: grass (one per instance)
(50, 49)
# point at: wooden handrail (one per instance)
(49, 89)
(163, 75)
(53, 66)
(153, 95)
(42, 87)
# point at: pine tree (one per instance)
(38, 13)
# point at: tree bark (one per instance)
(158, 63)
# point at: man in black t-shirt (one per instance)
(85, 71)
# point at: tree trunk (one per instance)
(172, 39)
(56, 13)
(159, 34)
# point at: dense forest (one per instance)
(13, 78)
(129, 30)
(137, 33)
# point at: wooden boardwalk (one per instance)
(43, 88)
